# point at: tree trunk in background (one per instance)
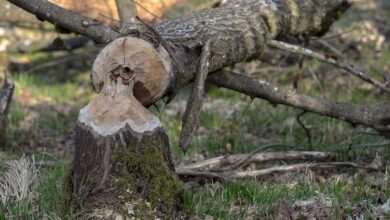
(6, 93)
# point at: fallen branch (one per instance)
(235, 161)
(224, 176)
(194, 104)
(375, 116)
(309, 53)
(294, 167)
(192, 173)
(68, 20)
(246, 159)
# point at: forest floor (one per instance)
(52, 87)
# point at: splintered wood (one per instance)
(106, 10)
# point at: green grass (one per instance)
(36, 87)
(238, 199)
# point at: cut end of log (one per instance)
(150, 65)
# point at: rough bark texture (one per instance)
(238, 30)
(6, 92)
(126, 174)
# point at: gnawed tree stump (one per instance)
(6, 92)
(122, 164)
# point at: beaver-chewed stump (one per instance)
(122, 165)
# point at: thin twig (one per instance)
(151, 13)
(335, 35)
(317, 80)
(326, 44)
(246, 158)
(310, 53)
(307, 131)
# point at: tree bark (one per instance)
(6, 93)
(239, 30)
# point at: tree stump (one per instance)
(122, 165)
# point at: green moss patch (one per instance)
(146, 174)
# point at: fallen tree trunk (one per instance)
(237, 31)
